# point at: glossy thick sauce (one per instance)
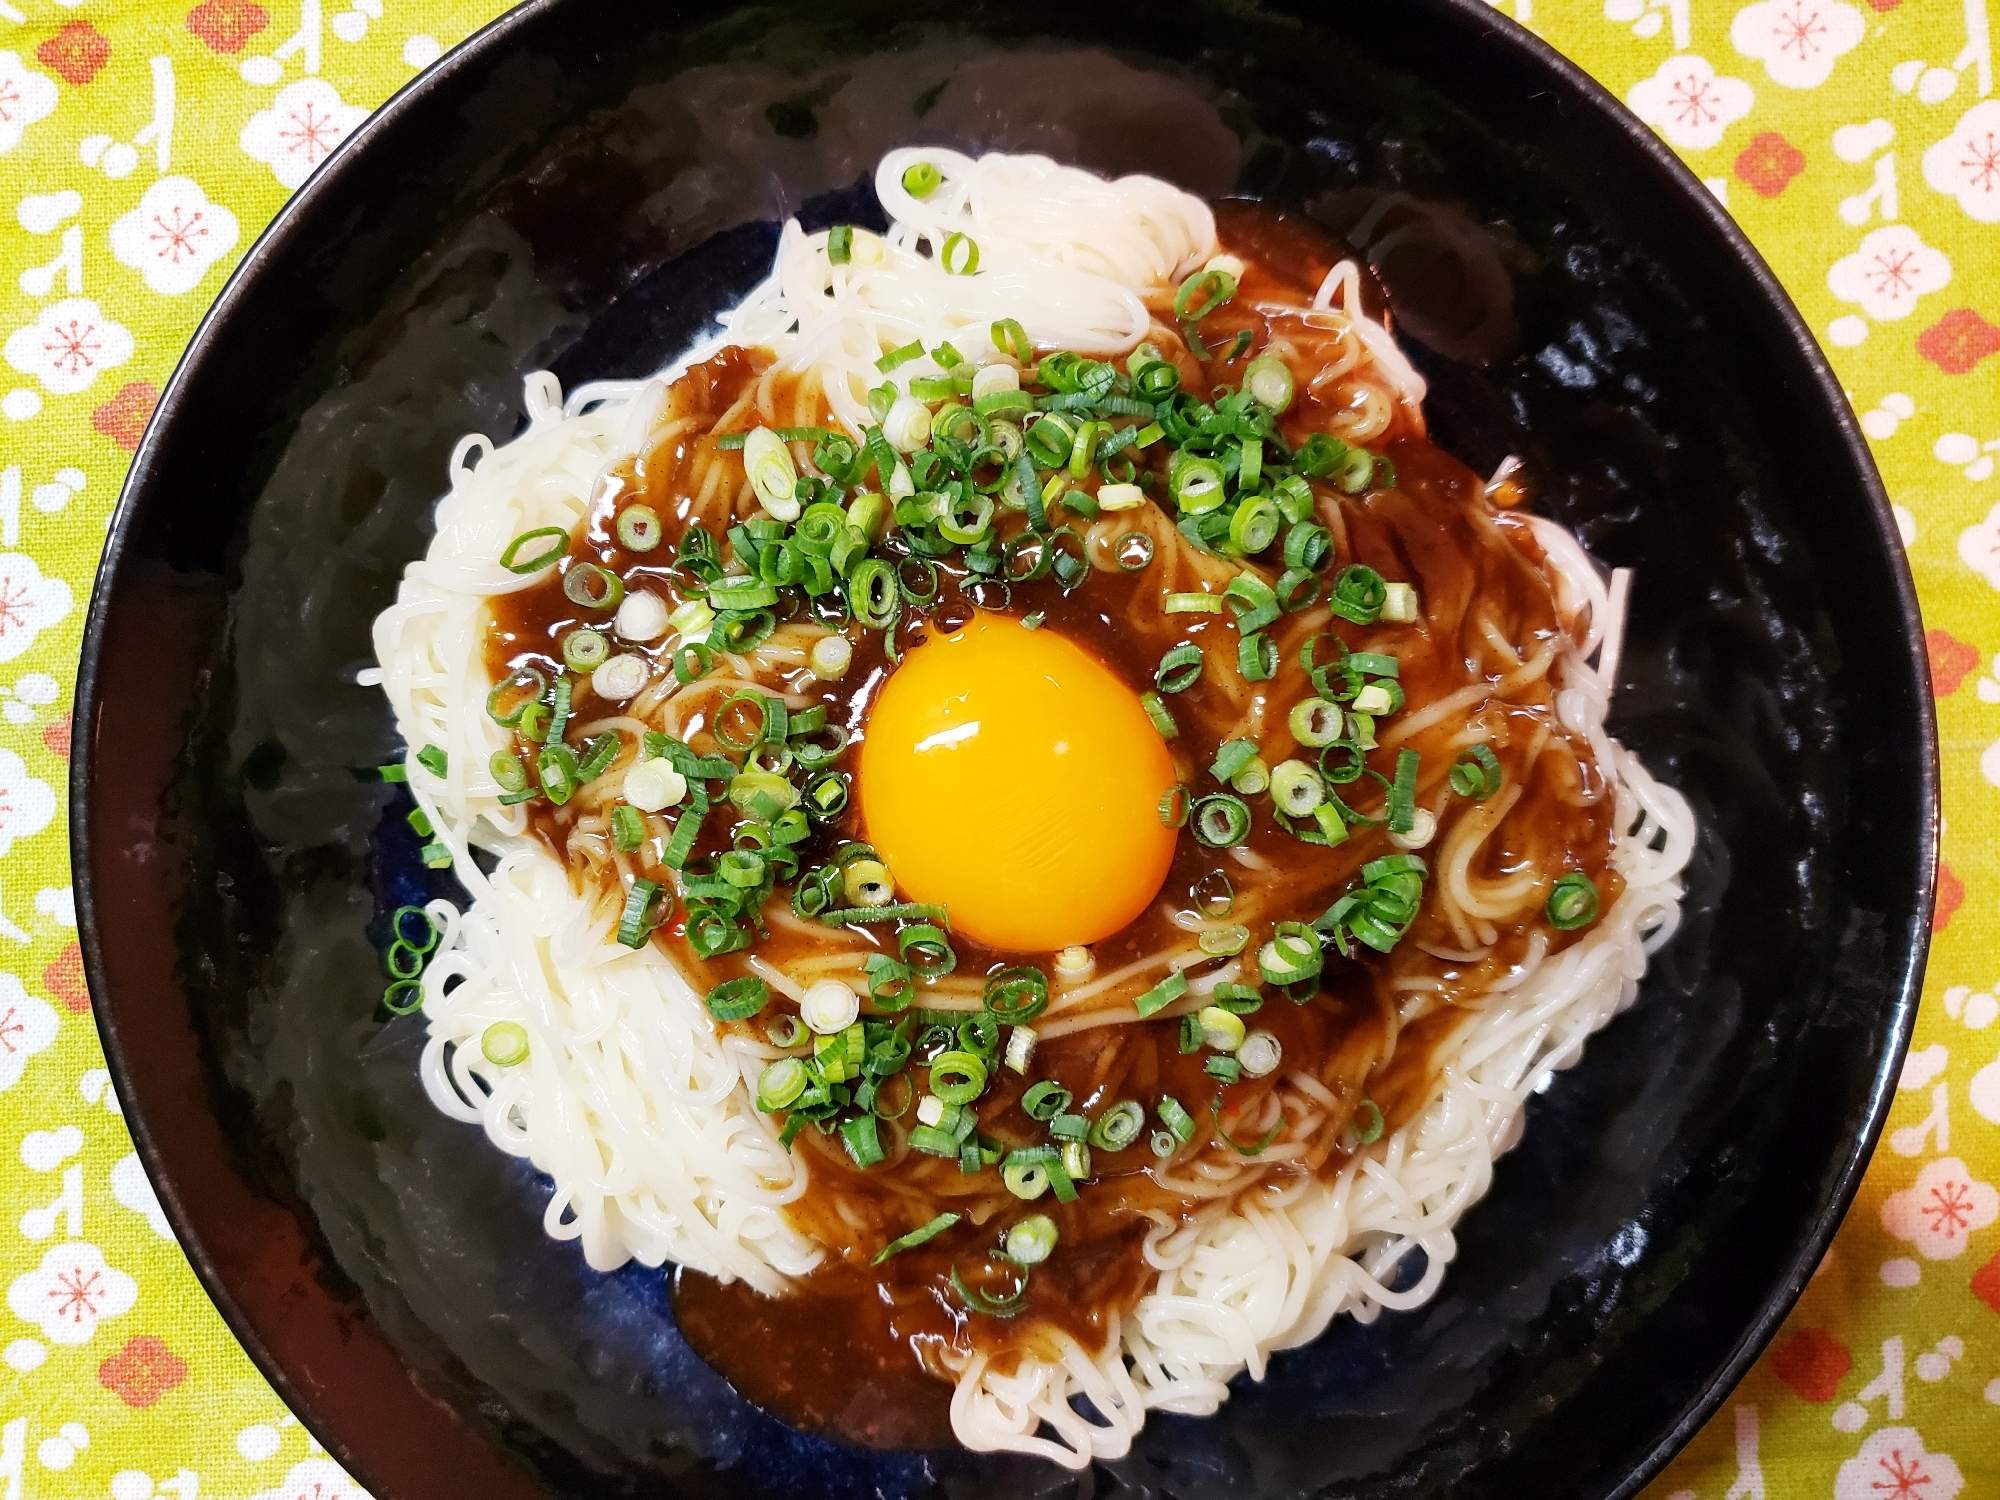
(866, 1351)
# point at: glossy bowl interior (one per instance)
(582, 188)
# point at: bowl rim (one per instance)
(1476, 18)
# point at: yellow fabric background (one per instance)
(1859, 145)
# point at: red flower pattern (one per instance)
(143, 1371)
(1813, 1363)
(63, 978)
(55, 737)
(1958, 341)
(1769, 163)
(75, 53)
(1950, 897)
(226, 25)
(123, 418)
(1952, 660)
(76, 1293)
(1986, 1283)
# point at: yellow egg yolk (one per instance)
(1008, 776)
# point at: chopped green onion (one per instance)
(1292, 956)
(639, 528)
(1403, 793)
(1226, 1070)
(1257, 657)
(1369, 1134)
(979, 1302)
(1252, 779)
(1174, 805)
(1220, 1029)
(959, 255)
(433, 759)
(512, 560)
(1232, 756)
(1192, 604)
(1161, 995)
(645, 909)
(1045, 1100)
(916, 1237)
(1179, 669)
(504, 1044)
(1260, 1053)
(1176, 1119)
(1017, 995)
(1296, 788)
(1315, 723)
(1269, 380)
(957, 1077)
(920, 180)
(1157, 712)
(1221, 821)
(738, 999)
(585, 650)
(926, 950)
(781, 1083)
(1075, 1161)
(1202, 294)
(1573, 903)
(1477, 773)
(858, 1134)
(1359, 594)
(840, 244)
(1031, 1241)
(525, 682)
(628, 828)
(1119, 1126)
(1009, 337)
(1399, 604)
(593, 587)
(1223, 942)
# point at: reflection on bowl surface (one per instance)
(582, 191)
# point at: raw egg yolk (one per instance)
(1009, 777)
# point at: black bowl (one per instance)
(581, 188)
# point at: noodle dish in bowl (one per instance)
(1027, 835)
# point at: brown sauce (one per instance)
(867, 1351)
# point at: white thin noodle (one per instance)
(644, 1118)
(1064, 253)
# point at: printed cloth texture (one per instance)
(144, 144)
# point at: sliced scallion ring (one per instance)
(543, 546)
(504, 1044)
(1573, 903)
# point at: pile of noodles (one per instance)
(642, 1114)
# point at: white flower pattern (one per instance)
(29, 603)
(1689, 104)
(25, 97)
(28, 1026)
(1894, 1465)
(1966, 164)
(1979, 547)
(300, 129)
(68, 345)
(1890, 270)
(174, 235)
(1798, 41)
(26, 803)
(1941, 1210)
(72, 1290)
(315, 1479)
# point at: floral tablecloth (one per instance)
(143, 145)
